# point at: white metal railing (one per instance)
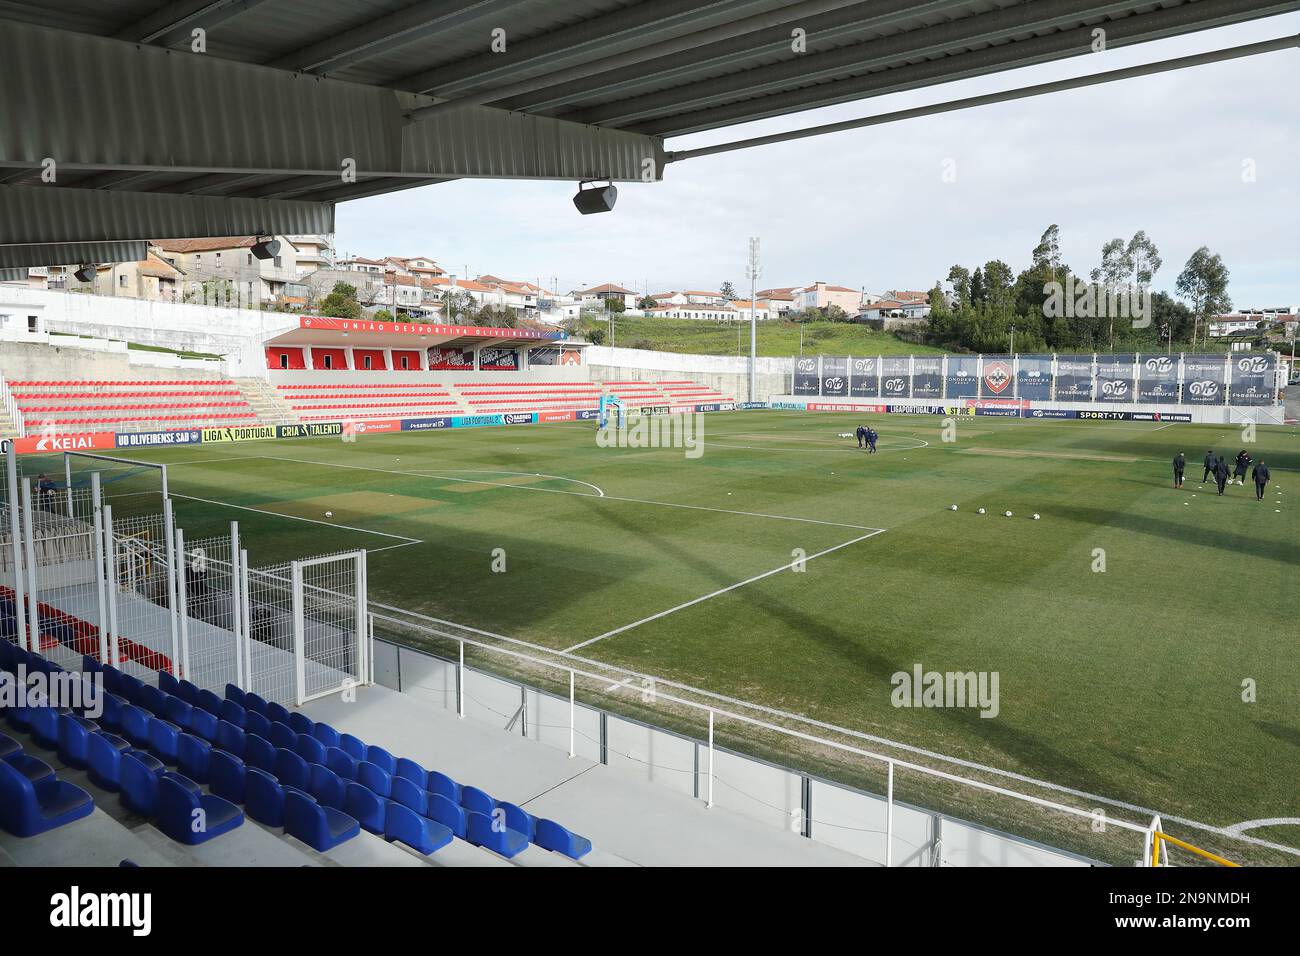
(11, 408)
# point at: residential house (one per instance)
(314, 252)
(821, 296)
(155, 278)
(597, 296)
(781, 300)
(230, 260)
(689, 310)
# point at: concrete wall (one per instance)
(728, 374)
(59, 361)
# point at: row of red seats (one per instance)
(206, 419)
(158, 394)
(325, 398)
(173, 383)
(128, 408)
(313, 408)
(85, 637)
(370, 385)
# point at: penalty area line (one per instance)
(405, 541)
(720, 591)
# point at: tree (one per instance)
(342, 302)
(1047, 254)
(457, 304)
(1203, 283)
(615, 304)
(728, 291)
(646, 302)
(1115, 264)
(977, 294)
(383, 315)
(1144, 259)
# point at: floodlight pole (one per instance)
(753, 270)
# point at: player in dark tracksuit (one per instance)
(1209, 466)
(1243, 462)
(871, 440)
(862, 436)
(1260, 474)
(1220, 473)
(1180, 462)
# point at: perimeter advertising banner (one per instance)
(240, 433)
(186, 436)
(309, 430)
(864, 377)
(835, 376)
(498, 360)
(1074, 378)
(806, 380)
(1115, 378)
(1158, 379)
(1034, 378)
(927, 376)
(451, 359)
(84, 441)
(997, 380)
(895, 376)
(963, 376)
(1203, 379)
(1253, 379)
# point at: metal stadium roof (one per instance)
(115, 127)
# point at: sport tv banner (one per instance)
(1074, 378)
(997, 380)
(895, 376)
(927, 376)
(1158, 379)
(1203, 382)
(806, 379)
(864, 377)
(1253, 379)
(1034, 378)
(963, 376)
(835, 376)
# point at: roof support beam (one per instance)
(71, 253)
(44, 214)
(168, 20)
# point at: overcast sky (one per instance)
(869, 208)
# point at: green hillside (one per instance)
(775, 338)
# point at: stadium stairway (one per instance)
(267, 402)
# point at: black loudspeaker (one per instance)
(600, 199)
(266, 249)
(85, 274)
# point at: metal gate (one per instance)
(330, 640)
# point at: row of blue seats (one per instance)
(467, 811)
(33, 799)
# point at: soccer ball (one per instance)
(1007, 513)
(952, 507)
(981, 511)
(1035, 516)
(329, 514)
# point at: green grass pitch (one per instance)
(1127, 682)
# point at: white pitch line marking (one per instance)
(713, 594)
(1269, 822)
(600, 493)
(406, 542)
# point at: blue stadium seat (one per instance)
(255, 723)
(277, 714)
(33, 768)
(382, 759)
(111, 677)
(226, 776)
(45, 725)
(190, 816)
(552, 836)
(301, 723)
(204, 724)
(260, 753)
(476, 801)
(326, 787)
(353, 747)
(282, 735)
(366, 806)
(179, 713)
(189, 693)
(129, 687)
(254, 703)
(140, 782)
(194, 757)
(410, 795)
(74, 735)
(326, 734)
(152, 699)
(449, 814)
(103, 760)
(169, 684)
(291, 770)
(309, 749)
(517, 818)
(231, 739)
(27, 809)
(164, 738)
(233, 713)
(481, 831)
(236, 694)
(263, 797)
(419, 833)
(320, 827)
(135, 726)
(443, 784)
(114, 705)
(209, 702)
(341, 763)
(9, 746)
(374, 779)
(413, 772)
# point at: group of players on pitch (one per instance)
(867, 438)
(1218, 468)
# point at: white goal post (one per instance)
(109, 464)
